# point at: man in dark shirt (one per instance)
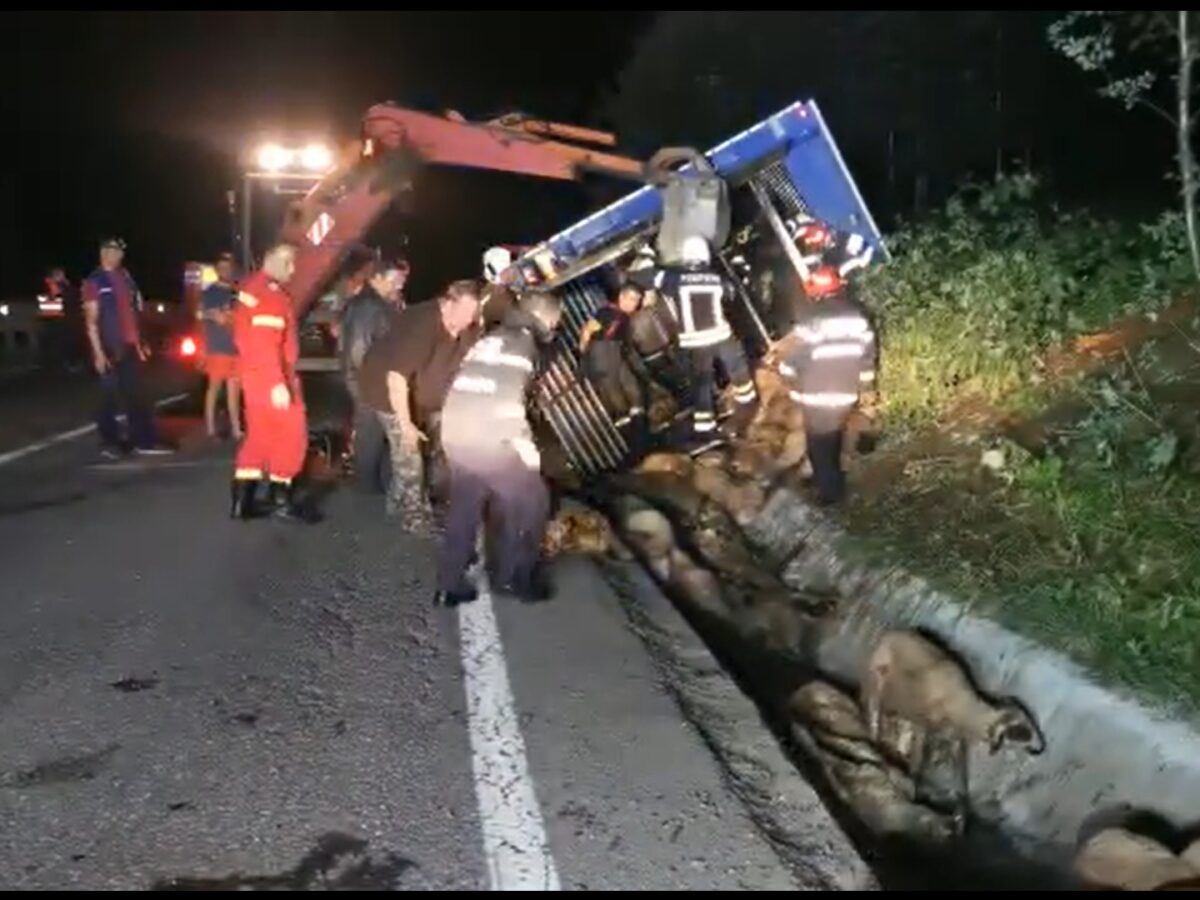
(220, 355)
(367, 317)
(112, 305)
(405, 375)
(602, 345)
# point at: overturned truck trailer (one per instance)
(786, 166)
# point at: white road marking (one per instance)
(14, 455)
(514, 835)
(133, 465)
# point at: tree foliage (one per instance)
(1133, 53)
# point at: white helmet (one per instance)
(495, 261)
(695, 251)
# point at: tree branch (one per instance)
(1159, 111)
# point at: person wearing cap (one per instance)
(112, 306)
(827, 364)
(697, 293)
(220, 354)
(367, 317)
(267, 340)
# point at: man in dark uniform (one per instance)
(489, 445)
(698, 294)
(830, 361)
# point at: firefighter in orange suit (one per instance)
(276, 442)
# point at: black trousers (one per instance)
(667, 370)
(520, 507)
(437, 467)
(615, 383)
(122, 386)
(372, 461)
(701, 361)
(824, 430)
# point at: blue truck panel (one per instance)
(796, 136)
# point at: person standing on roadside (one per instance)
(112, 306)
(220, 354)
(367, 317)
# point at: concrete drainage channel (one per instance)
(953, 752)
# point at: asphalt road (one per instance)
(190, 702)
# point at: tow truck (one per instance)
(373, 171)
(787, 165)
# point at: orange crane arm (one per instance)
(340, 209)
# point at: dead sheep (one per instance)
(880, 796)
(830, 711)
(696, 584)
(1118, 859)
(741, 501)
(883, 800)
(663, 489)
(773, 619)
(670, 463)
(795, 449)
(1192, 854)
(751, 461)
(838, 725)
(911, 677)
(577, 530)
(768, 382)
(650, 533)
(727, 553)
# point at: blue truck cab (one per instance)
(785, 167)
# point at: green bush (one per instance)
(975, 295)
(1089, 544)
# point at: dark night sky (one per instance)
(133, 122)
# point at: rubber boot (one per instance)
(451, 599)
(242, 499)
(285, 507)
(530, 587)
(536, 588)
